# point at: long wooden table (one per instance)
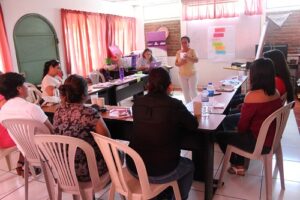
(118, 90)
(200, 142)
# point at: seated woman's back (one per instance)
(261, 101)
(74, 119)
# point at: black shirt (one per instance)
(160, 121)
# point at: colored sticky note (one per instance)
(220, 48)
(215, 44)
(218, 35)
(221, 52)
(220, 30)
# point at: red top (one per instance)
(5, 140)
(253, 115)
(280, 86)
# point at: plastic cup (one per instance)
(197, 105)
(100, 102)
(94, 98)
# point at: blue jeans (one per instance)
(183, 173)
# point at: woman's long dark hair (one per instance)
(48, 64)
(159, 81)
(262, 76)
(148, 50)
(281, 70)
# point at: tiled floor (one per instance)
(249, 187)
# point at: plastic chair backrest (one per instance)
(280, 116)
(22, 132)
(34, 94)
(60, 152)
(283, 98)
(110, 151)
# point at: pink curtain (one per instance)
(5, 57)
(121, 31)
(214, 9)
(253, 7)
(88, 35)
(209, 9)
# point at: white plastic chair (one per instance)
(59, 151)
(5, 152)
(22, 132)
(122, 181)
(34, 94)
(280, 116)
(283, 98)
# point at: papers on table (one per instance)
(120, 112)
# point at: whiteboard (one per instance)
(246, 37)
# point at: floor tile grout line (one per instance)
(12, 191)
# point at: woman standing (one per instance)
(185, 59)
(50, 82)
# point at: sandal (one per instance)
(236, 170)
(19, 168)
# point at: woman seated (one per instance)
(160, 122)
(260, 102)
(283, 78)
(143, 63)
(5, 139)
(51, 82)
(75, 119)
(14, 90)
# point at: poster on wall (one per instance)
(156, 41)
(221, 43)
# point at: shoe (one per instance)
(237, 171)
(19, 168)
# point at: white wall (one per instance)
(140, 31)
(13, 10)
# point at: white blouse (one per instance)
(50, 81)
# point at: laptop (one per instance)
(155, 64)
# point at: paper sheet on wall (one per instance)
(221, 43)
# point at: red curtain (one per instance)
(253, 7)
(209, 9)
(121, 32)
(88, 35)
(214, 9)
(5, 57)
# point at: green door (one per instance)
(35, 43)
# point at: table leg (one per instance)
(209, 168)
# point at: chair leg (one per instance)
(268, 176)
(279, 162)
(49, 179)
(26, 177)
(112, 192)
(176, 191)
(87, 194)
(224, 167)
(8, 162)
(58, 193)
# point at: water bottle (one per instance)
(210, 89)
(121, 73)
(205, 101)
